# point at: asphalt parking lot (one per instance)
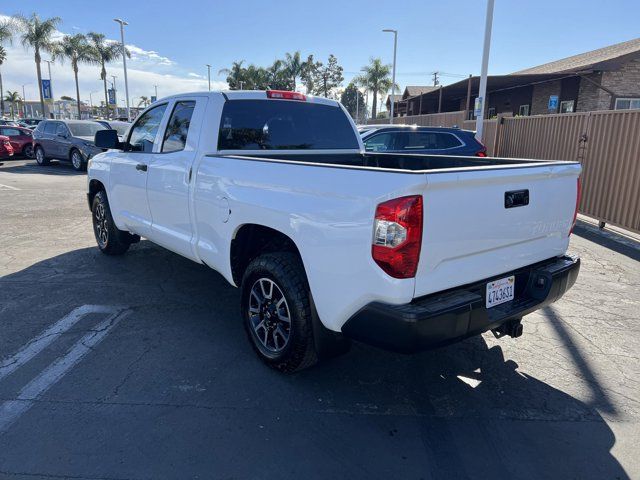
(137, 367)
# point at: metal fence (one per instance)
(607, 143)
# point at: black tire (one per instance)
(27, 151)
(110, 240)
(41, 158)
(286, 271)
(77, 160)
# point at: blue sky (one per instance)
(175, 39)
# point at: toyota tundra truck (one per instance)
(327, 242)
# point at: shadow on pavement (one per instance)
(56, 167)
(459, 412)
(609, 239)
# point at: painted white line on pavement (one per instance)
(11, 410)
(46, 338)
(8, 187)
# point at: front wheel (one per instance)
(77, 161)
(41, 159)
(110, 240)
(27, 151)
(276, 310)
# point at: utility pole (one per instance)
(482, 93)
(124, 63)
(156, 87)
(51, 89)
(209, 75)
(241, 84)
(357, 103)
(393, 78)
(436, 82)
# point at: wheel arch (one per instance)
(251, 240)
(95, 186)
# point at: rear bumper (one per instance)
(446, 317)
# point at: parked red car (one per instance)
(6, 150)
(20, 139)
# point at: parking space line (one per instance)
(42, 341)
(8, 187)
(11, 410)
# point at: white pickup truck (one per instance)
(329, 243)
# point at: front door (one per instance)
(129, 170)
(170, 175)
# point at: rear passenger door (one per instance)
(170, 176)
(46, 140)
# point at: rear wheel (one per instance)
(276, 310)
(110, 240)
(77, 160)
(40, 157)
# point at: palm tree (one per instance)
(235, 75)
(295, 67)
(37, 34)
(77, 49)
(375, 77)
(144, 101)
(12, 98)
(6, 33)
(104, 52)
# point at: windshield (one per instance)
(284, 125)
(88, 129)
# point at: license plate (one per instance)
(500, 291)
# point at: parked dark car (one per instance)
(429, 140)
(20, 138)
(9, 123)
(117, 125)
(68, 140)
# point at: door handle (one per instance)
(142, 167)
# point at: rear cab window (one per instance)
(284, 125)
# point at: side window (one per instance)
(11, 132)
(446, 140)
(50, 127)
(379, 143)
(143, 133)
(62, 129)
(175, 135)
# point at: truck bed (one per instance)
(407, 163)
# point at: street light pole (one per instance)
(209, 75)
(24, 102)
(393, 78)
(124, 63)
(357, 103)
(482, 93)
(115, 97)
(156, 87)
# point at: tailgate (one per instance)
(470, 235)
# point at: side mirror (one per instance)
(107, 139)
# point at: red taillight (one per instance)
(397, 236)
(575, 213)
(481, 153)
(286, 95)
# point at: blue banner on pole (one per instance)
(112, 96)
(46, 89)
(153, 99)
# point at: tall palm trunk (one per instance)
(75, 73)
(374, 106)
(39, 72)
(1, 96)
(103, 75)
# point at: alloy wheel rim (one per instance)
(100, 220)
(269, 315)
(39, 156)
(76, 160)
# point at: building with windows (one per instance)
(604, 79)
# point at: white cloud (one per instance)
(145, 69)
